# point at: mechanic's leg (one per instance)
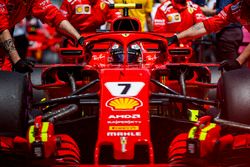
(228, 42)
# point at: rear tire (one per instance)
(215, 76)
(36, 79)
(14, 100)
(234, 95)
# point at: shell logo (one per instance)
(79, 9)
(169, 18)
(123, 103)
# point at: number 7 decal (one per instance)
(124, 89)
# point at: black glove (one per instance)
(80, 41)
(24, 65)
(229, 65)
(172, 40)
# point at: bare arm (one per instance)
(9, 46)
(244, 55)
(195, 31)
(67, 28)
(149, 22)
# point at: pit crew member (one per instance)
(88, 15)
(177, 15)
(144, 14)
(12, 12)
(236, 11)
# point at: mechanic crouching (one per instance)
(12, 12)
(236, 11)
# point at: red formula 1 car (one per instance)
(127, 104)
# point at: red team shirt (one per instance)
(13, 11)
(171, 17)
(231, 13)
(86, 17)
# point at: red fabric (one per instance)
(86, 17)
(231, 13)
(13, 11)
(7, 65)
(172, 18)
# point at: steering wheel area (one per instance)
(140, 48)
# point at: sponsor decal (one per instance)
(124, 122)
(222, 14)
(190, 10)
(126, 116)
(124, 103)
(173, 18)
(123, 134)
(132, 119)
(159, 22)
(83, 9)
(235, 7)
(170, 18)
(166, 7)
(124, 89)
(123, 128)
(123, 143)
(102, 5)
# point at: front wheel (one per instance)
(234, 95)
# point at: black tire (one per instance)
(14, 90)
(215, 76)
(36, 79)
(234, 95)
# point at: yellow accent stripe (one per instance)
(193, 115)
(191, 133)
(204, 131)
(121, 5)
(31, 134)
(44, 132)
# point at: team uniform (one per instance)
(231, 13)
(87, 17)
(140, 14)
(172, 17)
(13, 11)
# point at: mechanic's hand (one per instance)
(80, 41)
(24, 65)
(229, 65)
(172, 40)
